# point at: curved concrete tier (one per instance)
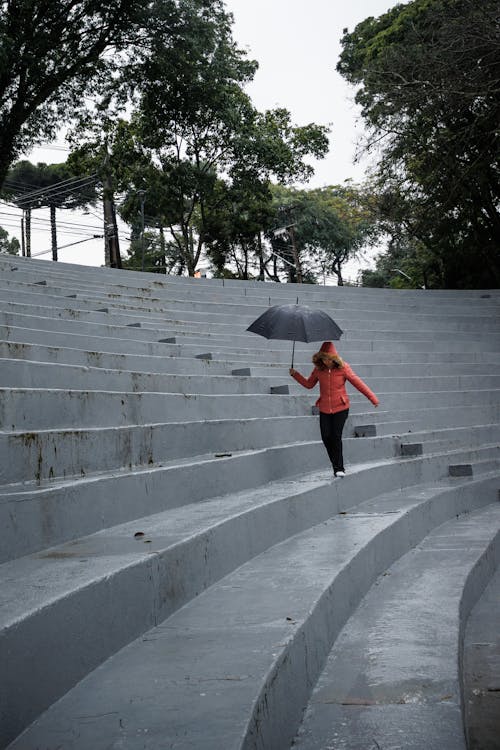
(177, 560)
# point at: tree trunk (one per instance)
(163, 256)
(245, 260)
(296, 258)
(191, 263)
(262, 268)
(7, 151)
(338, 271)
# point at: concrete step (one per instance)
(265, 350)
(47, 512)
(156, 312)
(431, 440)
(481, 670)
(359, 336)
(146, 298)
(266, 354)
(42, 513)
(28, 374)
(33, 409)
(394, 670)
(234, 652)
(90, 278)
(51, 454)
(366, 369)
(109, 328)
(403, 422)
(107, 360)
(366, 364)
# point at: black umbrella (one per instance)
(295, 323)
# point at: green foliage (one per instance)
(42, 185)
(191, 138)
(238, 215)
(10, 246)
(407, 264)
(428, 81)
(159, 256)
(52, 54)
(25, 177)
(194, 141)
(330, 226)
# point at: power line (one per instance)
(60, 189)
(48, 194)
(70, 244)
(65, 182)
(78, 231)
(18, 185)
(43, 220)
(40, 223)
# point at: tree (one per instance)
(406, 264)
(194, 140)
(191, 140)
(236, 224)
(326, 227)
(159, 256)
(53, 53)
(428, 83)
(9, 246)
(197, 123)
(48, 185)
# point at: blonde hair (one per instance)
(320, 360)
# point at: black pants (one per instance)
(331, 426)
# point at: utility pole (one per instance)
(23, 245)
(53, 231)
(112, 256)
(28, 232)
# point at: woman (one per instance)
(331, 372)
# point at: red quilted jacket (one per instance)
(333, 395)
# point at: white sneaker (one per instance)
(340, 473)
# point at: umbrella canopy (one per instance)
(295, 323)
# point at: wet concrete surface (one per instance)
(392, 679)
(481, 671)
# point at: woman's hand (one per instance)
(292, 371)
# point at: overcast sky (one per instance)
(297, 45)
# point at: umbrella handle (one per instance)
(293, 351)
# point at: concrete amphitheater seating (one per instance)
(178, 568)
